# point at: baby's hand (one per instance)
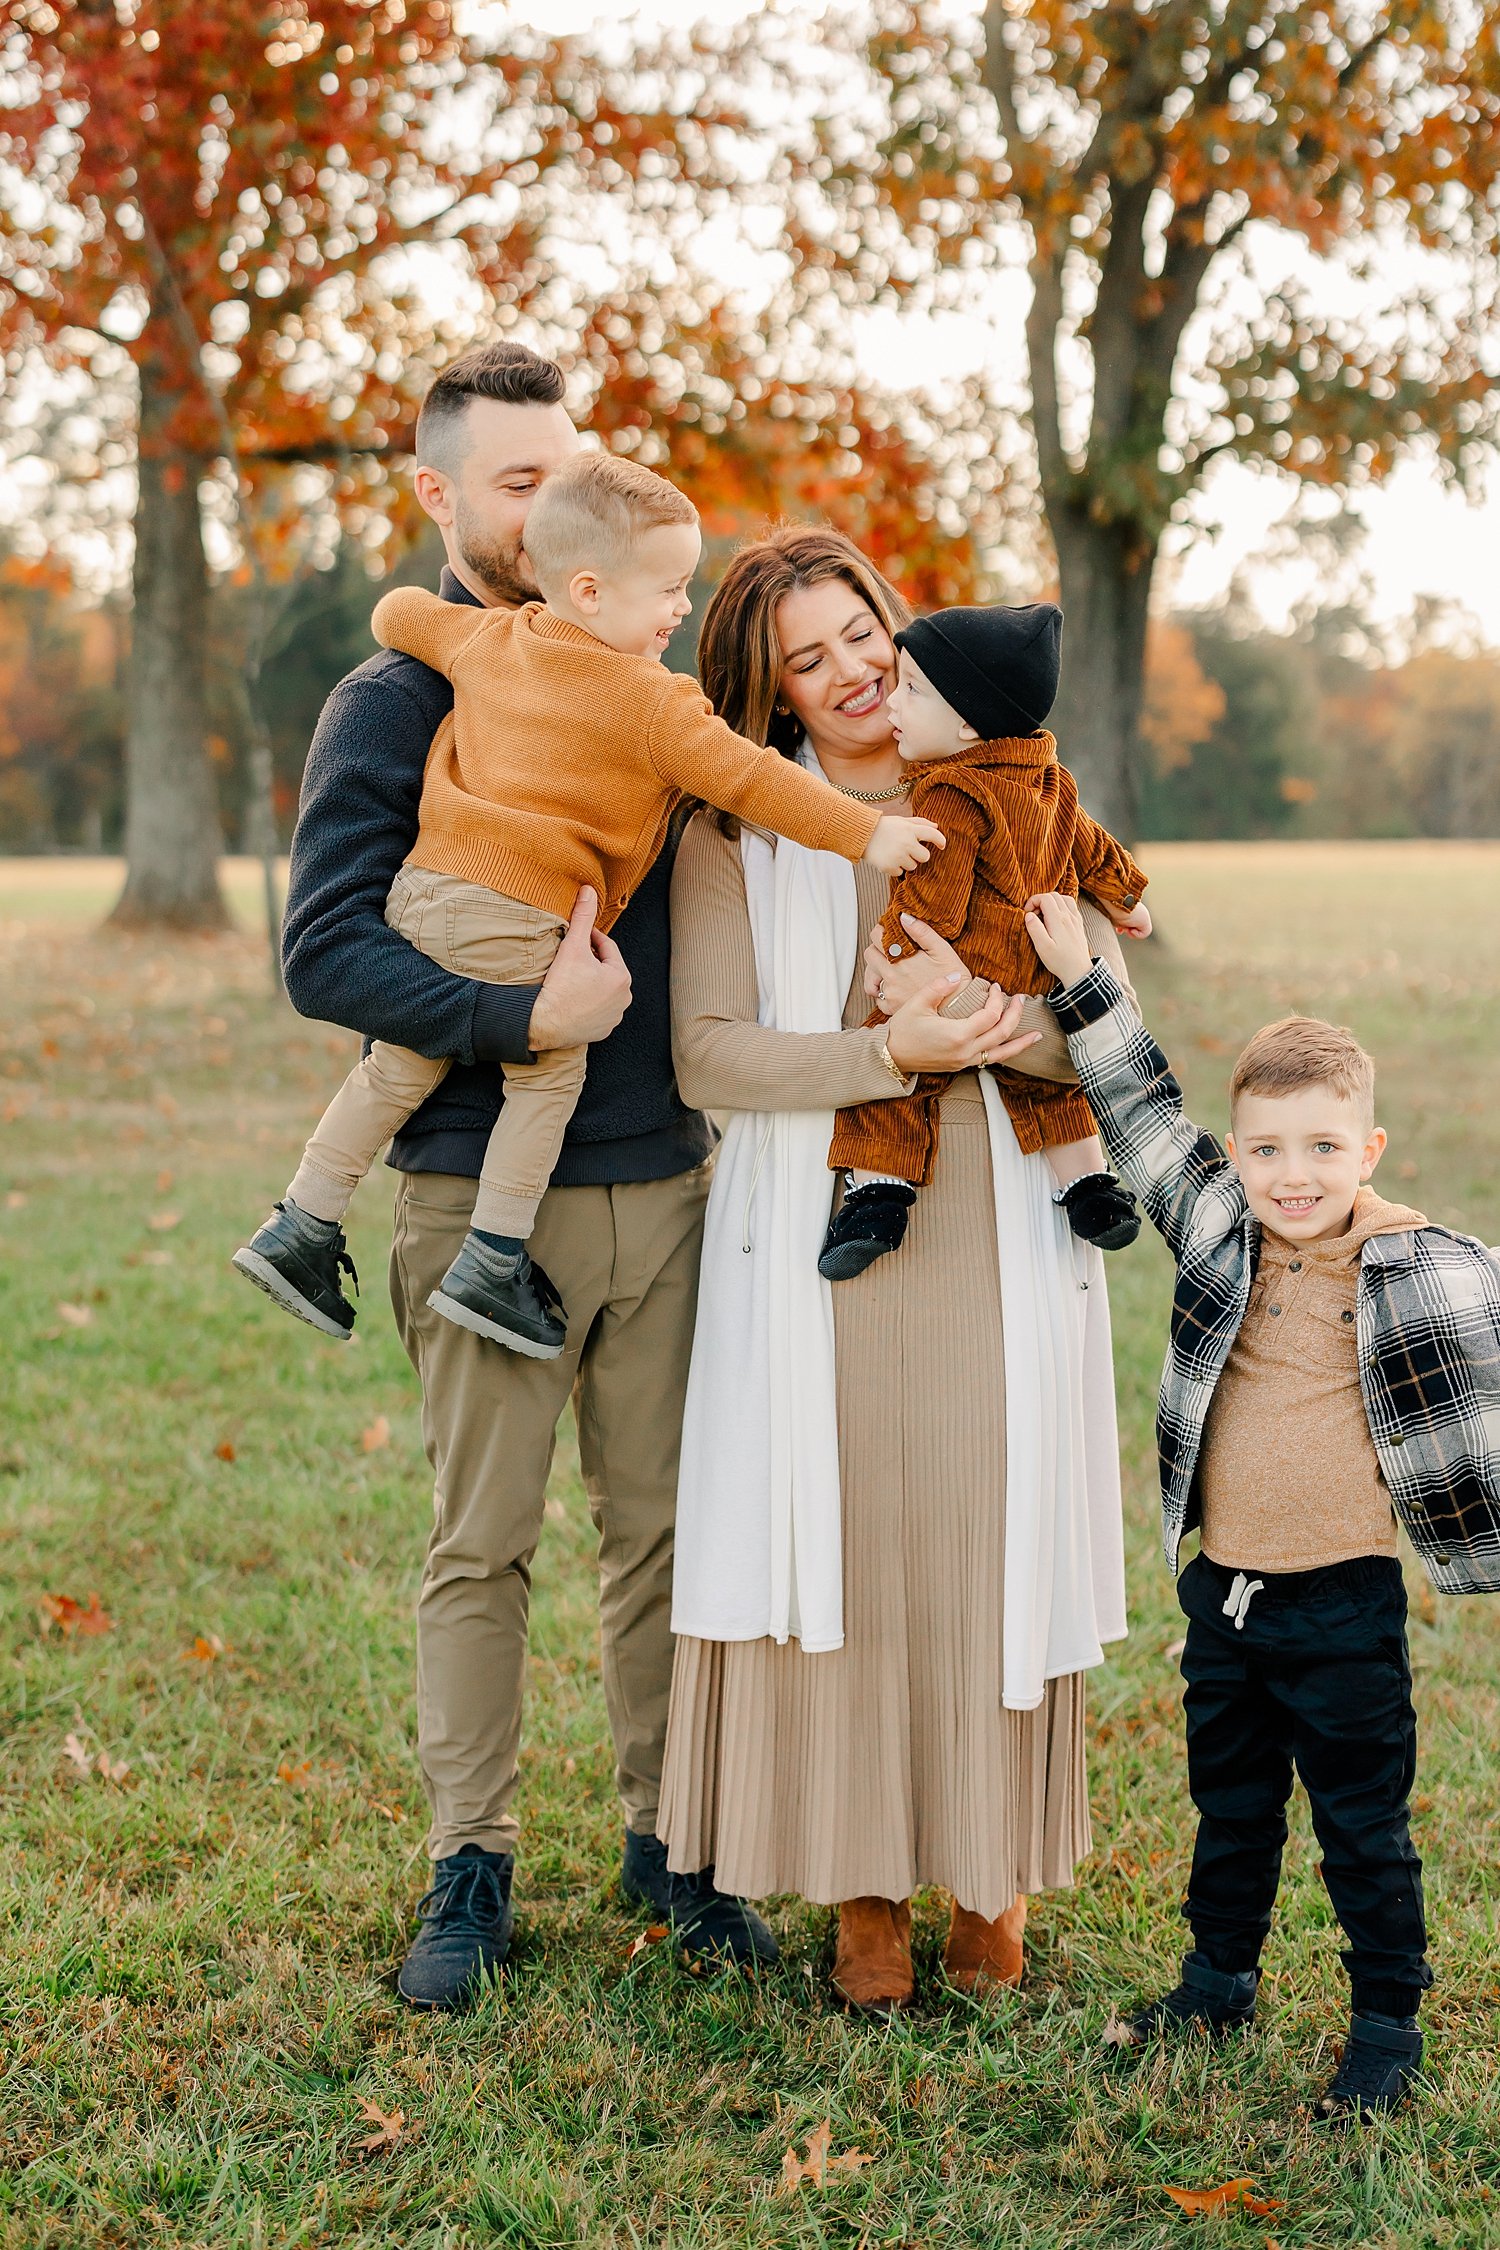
(900, 843)
(1137, 923)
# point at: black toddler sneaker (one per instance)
(465, 1935)
(1100, 1211)
(710, 1926)
(870, 1222)
(1381, 2058)
(298, 1259)
(1206, 1996)
(503, 1296)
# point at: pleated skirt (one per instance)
(891, 1763)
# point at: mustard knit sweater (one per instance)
(563, 759)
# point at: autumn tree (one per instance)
(1252, 230)
(224, 189)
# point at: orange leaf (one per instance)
(15, 1199)
(377, 1435)
(224, 1450)
(1198, 2202)
(391, 2126)
(206, 1646)
(110, 1769)
(653, 1936)
(295, 1777)
(162, 1222)
(818, 2164)
(70, 1616)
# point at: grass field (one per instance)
(211, 1825)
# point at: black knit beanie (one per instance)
(997, 667)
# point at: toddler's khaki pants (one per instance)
(478, 933)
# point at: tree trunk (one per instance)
(172, 835)
(1105, 570)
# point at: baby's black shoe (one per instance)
(870, 1221)
(297, 1259)
(1100, 1211)
(1381, 2058)
(502, 1295)
(1205, 1995)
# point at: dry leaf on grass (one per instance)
(224, 1450)
(76, 1754)
(1117, 2033)
(206, 1647)
(377, 1435)
(651, 1936)
(295, 1777)
(111, 1769)
(1234, 2195)
(15, 1199)
(76, 1316)
(392, 1813)
(162, 1222)
(70, 1616)
(391, 2127)
(818, 2165)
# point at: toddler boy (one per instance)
(973, 690)
(1332, 1356)
(559, 767)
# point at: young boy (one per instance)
(1332, 1357)
(973, 690)
(567, 748)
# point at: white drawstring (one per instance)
(1241, 1594)
(760, 1156)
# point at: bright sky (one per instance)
(1422, 539)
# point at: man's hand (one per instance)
(890, 984)
(1055, 927)
(922, 1038)
(586, 990)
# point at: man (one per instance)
(618, 1232)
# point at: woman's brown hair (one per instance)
(739, 652)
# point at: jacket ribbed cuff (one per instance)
(502, 1022)
(1077, 1005)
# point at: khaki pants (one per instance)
(625, 1260)
(476, 933)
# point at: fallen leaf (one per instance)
(392, 1813)
(1117, 2033)
(224, 1450)
(377, 1435)
(818, 2164)
(295, 1777)
(70, 1616)
(206, 1647)
(74, 1751)
(1198, 2202)
(163, 1183)
(15, 1200)
(652, 1936)
(75, 1316)
(1259, 2207)
(162, 1222)
(111, 1769)
(390, 2127)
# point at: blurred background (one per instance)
(1186, 311)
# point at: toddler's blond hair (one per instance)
(590, 513)
(1301, 1051)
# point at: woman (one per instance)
(879, 1687)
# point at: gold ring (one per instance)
(984, 1058)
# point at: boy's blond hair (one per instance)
(1302, 1051)
(590, 513)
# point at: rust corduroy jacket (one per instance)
(563, 759)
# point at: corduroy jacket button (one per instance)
(1295, 1266)
(1275, 1309)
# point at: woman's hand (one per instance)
(891, 983)
(901, 843)
(1055, 927)
(920, 1037)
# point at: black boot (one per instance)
(502, 1296)
(1381, 2058)
(297, 1259)
(1100, 1211)
(710, 1927)
(870, 1221)
(465, 1933)
(1206, 1995)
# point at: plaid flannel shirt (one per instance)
(1428, 1308)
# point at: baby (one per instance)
(566, 751)
(973, 690)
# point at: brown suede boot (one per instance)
(872, 1968)
(980, 1953)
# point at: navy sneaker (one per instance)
(869, 1223)
(1100, 1211)
(710, 1927)
(1206, 1996)
(502, 1296)
(465, 1935)
(298, 1259)
(1381, 2058)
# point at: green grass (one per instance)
(195, 1995)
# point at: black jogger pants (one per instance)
(1306, 1670)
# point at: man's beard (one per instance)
(496, 563)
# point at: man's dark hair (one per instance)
(512, 373)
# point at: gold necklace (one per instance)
(873, 796)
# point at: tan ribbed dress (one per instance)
(890, 1763)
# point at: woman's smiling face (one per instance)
(838, 667)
